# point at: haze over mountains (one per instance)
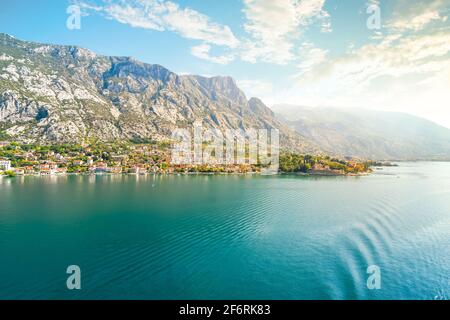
(367, 133)
(53, 93)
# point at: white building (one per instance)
(5, 165)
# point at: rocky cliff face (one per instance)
(51, 93)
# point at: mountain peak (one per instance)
(6, 35)
(8, 39)
(221, 86)
(75, 95)
(123, 67)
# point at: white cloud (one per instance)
(279, 52)
(415, 55)
(405, 67)
(202, 51)
(194, 25)
(418, 22)
(326, 23)
(275, 25)
(310, 9)
(400, 73)
(162, 15)
(310, 57)
(134, 16)
(415, 15)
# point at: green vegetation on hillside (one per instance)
(292, 162)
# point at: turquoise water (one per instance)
(228, 237)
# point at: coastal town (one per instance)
(114, 158)
(145, 158)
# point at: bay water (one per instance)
(228, 236)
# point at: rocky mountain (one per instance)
(53, 93)
(369, 134)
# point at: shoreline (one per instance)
(304, 174)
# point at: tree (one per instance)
(10, 173)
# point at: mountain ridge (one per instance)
(366, 133)
(56, 93)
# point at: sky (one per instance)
(391, 55)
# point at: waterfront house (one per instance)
(142, 168)
(61, 170)
(320, 167)
(47, 172)
(29, 170)
(78, 162)
(114, 170)
(43, 167)
(101, 167)
(134, 170)
(155, 169)
(19, 171)
(138, 169)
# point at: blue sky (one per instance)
(305, 52)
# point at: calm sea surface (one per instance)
(228, 237)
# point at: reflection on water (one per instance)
(244, 237)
